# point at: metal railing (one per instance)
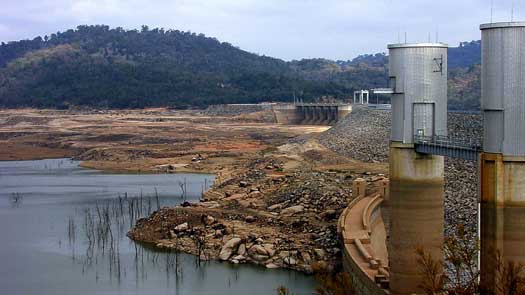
(448, 141)
(455, 147)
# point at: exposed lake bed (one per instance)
(44, 215)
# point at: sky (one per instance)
(286, 29)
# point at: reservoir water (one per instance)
(62, 231)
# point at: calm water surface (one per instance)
(62, 231)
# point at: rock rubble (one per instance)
(364, 135)
(260, 215)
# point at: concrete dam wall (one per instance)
(288, 114)
(311, 114)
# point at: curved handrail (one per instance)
(367, 213)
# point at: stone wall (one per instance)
(360, 281)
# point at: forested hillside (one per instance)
(116, 68)
(103, 67)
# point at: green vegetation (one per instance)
(116, 68)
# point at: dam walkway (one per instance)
(363, 235)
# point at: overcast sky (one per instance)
(287, 29)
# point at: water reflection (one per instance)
(66, 228)
(15, 200)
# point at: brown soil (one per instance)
(154, 140)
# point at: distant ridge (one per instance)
(99, 66)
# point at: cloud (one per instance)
(289, 29)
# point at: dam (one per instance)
(311, 113)
(289, 113)
(419, 141)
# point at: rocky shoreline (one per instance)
(261, 215)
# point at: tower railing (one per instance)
(455, 147)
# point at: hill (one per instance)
(103, 67)
(116, 68)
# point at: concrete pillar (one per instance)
(315, 115)
(307, 115)
(322, 115)
(359, 188)
(502, 213)
(333, 115)
(301, 114)
(326, 115)
(417, 214)
(502, 165)
(384, 190)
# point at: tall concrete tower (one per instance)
(502, 163)
(418, 78)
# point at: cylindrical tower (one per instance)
(418, 78)
(503, 159)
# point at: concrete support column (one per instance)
(326, 115)
(301, 114)
(315, 116)
(333, 115)
(308, 116)
(417, 214)
(502, 213)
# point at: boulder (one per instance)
(258, 257)
(242, 249)
(306, 257)
(292, 210)
(181, 227)
(257, 250)
(275, 207)
(270, 249)
(290, 261)
(207, 219)
(255, 194)
(329, 214)
(320, 253)
(228, 248)
(239, 258)
(250, 218)
(209, 205)
(235, 197)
